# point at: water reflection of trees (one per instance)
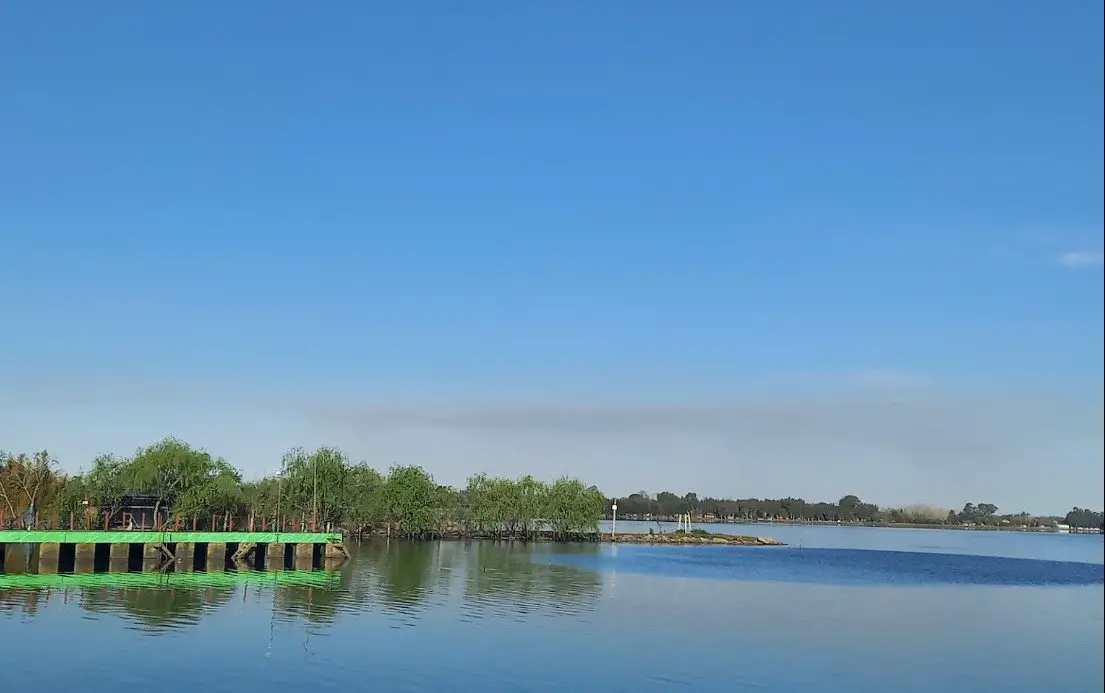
(507, 578)
(22, 601)
(490, 578)
(316, 605)
(406, 577)
(156, 610)
(396, 575)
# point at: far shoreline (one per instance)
(883, 525)
(697, 537)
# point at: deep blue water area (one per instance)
(834, 566)
(849, 610)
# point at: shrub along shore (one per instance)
(320, 490)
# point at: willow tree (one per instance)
(172, 470)
(530, 500)
(364, 502)
(106, 482)
(28, 481)
(571, 508)
(411, 498)
(313, 484)
(219, 492)
(488, 501)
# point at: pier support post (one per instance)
(151, 553)
(48, 557)
(118, 558)
(216, 556)
(274, 557)
(304, 556)
(84, 553)
(335, 551)
(185, 556)
(15, 558)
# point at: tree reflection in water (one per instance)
(156, 610)
(402, 579)
(503, 577)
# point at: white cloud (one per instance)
(1080, 259)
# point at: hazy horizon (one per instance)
(891, 439)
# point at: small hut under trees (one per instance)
(139, 511)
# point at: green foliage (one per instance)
(28, 481)
(572, 508)
(364, 498)
(1083, 517)
(220, 491)
(313, 485)
(173, 470)
(107, 481)
(410, 500)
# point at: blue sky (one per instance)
(247, 224)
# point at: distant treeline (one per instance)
(666, 505)
(325, 489)
(320, 489)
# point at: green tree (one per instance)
(410, 498)
(314, 484)
(531, 498)
(107, 480)
(170, 470)
(572, 508)
(220, 492)
(28, 481)
(364, 498)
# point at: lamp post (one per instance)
(614, 520)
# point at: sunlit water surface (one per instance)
(842, 609)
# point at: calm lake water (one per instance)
(842, 609)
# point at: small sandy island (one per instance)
(694, 537)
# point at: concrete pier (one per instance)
(185, 553)
(274, 556)
(14, 558)
(216, 556)
(48, 557)
(28, 550)
(84, 553)
(118, 558)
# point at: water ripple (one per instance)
(836, 566)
